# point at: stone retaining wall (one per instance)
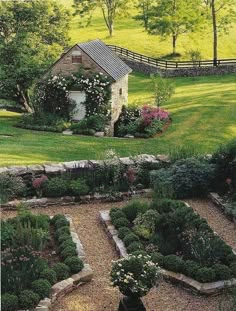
(66, 286)
(217, 200)
(180, 72)
(202, 288)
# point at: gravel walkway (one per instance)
(98, 295)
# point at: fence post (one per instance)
(166, 64)
(176, 65)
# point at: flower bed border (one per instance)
(217, 200)
(66, 286)
(71, 200)
(202, 288)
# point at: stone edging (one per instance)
(202, 288)
(65, 286)
(216, 199)
(70, 200)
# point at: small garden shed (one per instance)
(94, 56)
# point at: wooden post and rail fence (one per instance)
(169, 64)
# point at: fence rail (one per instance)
(169, 64)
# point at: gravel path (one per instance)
(98, 295)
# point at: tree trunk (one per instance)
(215, 37)
(24, 99)
(174, 39)
(110, 29)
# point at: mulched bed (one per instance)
(98, 295)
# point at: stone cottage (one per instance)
(95, 56)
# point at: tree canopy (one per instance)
(32, 35)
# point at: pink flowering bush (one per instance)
(149, 113)
(39, 184)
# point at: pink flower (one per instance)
(38, 182)
(228, 181)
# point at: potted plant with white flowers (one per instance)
(135, 275)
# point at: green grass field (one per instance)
(203, 111)
(130, 34)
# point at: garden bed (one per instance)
(31, 271)
(207, 288)
(218, 200)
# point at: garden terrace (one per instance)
(98, 294)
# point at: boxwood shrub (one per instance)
(61, 223)
(28, 299)
(123, 231)
(132, 209)
(41, 287)
(130, 238)
(74, 263)
(50, 275)
(205, 275)
(222, 272)
(66, 243)
(63, 237)
(57, 217)
(62, 230)
(134, 246)
(121, 222)
(9, 302)
(68, 252)
(173, 263)
(62, 271)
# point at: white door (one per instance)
(79, 111)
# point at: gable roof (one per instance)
(105, 58)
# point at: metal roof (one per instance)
(105, 58)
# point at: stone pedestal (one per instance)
(131, 304)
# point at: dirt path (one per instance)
(98, 295)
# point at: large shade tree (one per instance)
(110, 10)
(174, 18)
(221, 13)
(32, 35)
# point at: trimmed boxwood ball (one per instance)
(121, 222)
(50, 275)
(62, 230)
(9, 302)
(233, 269)
(117, 214)
(114, 210)
(141, 252)
(61, 223)
(173, 263)
(130, 238)
(64, 237)
(134, 246)
(66, 243)
(205, 275)
(41, 287)
(74, 263)
(123, 231)
(133, 208)
(28, 299)
(62, 271)
(157, 258)
(190, 268)
(57, 217)
(68, 252)
(222, 272)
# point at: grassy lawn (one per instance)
(203, 111)
(130, 34)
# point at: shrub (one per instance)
(134, 246)
(62, 230)
(173, 263)
(132, 209)
(41, 287)
(9, 302)
(7, 233)
(233, 269)
(96, 122)
(66, 243)
(10, 186)
(78, 187)
(121, 222)
(158, 258)
(62, 271)
(117, 214)
(55, 187)
(123, 231)
(222, 272)
(57, 217)
(114, 210)
(68, 252)
(167, 242)
(61, 223)
(186, 178)
(166, 205)
(191, 267)
(64, 237)
(28, 299)
(130, 238)
(205, 275)
(50, 275)
(74, 263)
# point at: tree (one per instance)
(32, 35)
(144, 7)
(221, 13)
(163, 90)
(173, 18)
(110, 9)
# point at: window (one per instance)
(120, 91)
(76, 57)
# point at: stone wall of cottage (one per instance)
(66, 67)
